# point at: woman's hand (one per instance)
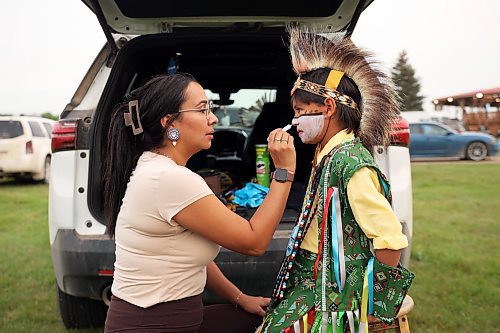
(253, 304)
(282, 150)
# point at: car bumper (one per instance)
(25, 165)
(253, 275)
(78, 260)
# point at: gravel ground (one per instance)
(489, 160)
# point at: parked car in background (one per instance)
(25, 147)
(435, 140)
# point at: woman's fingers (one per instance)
(282, 150)
(278, 135)
(261, 312)
(264, 303)
(255, 304)
(272, 136)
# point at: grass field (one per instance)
(455, 251)
(27, 283)
(455, 247)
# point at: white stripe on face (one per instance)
(309, 127)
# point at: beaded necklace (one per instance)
(159, 152)
(303, 221)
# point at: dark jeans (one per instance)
(186, 315)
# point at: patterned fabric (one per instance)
(390, 285)
(300, 296)
(331, 300)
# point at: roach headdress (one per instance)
(379, 105)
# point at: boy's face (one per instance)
(309, 119)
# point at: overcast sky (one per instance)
(454, 46)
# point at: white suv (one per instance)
(25, 147)
(229, 47)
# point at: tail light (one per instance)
(105, 272)
(400, 133)
(64, 135)
(29, 147)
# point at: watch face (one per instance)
(281, 175)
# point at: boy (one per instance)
(341, 264)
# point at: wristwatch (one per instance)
(282, 175)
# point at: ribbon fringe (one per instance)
(367, 297)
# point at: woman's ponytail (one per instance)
(135, 127)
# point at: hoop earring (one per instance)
(173, 135)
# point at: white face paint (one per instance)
(309, 127)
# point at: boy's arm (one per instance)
(375, 216)
(388, 257)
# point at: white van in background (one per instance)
(25, 151)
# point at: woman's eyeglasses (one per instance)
(209, 108)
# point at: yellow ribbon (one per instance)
(334, 78)
(364, 306)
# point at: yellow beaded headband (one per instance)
(328, 90)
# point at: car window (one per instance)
(433, 130)
(228, 143)
(36, 130)
(48, 129)
(245, 107)
(415, 129)
(10, 129)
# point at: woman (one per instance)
(168, 224)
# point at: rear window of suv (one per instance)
(36, 130)
(48, 128)
(10, 129)
(244, 106)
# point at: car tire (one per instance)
(46, 170)
(23, 179)
(476, 151)
(80, 312)
(44, 174)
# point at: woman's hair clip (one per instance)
(128, 96)
(133, 107)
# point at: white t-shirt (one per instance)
(158, 260)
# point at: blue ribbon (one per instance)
(370, 285)
(385, 186)
(291, 241)
(335, 242)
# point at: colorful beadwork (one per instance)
(324, 91)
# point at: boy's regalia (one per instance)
(336, 288)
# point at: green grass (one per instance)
(455, 248)
(454, 257)
(27, 283)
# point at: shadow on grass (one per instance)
(19, 182)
